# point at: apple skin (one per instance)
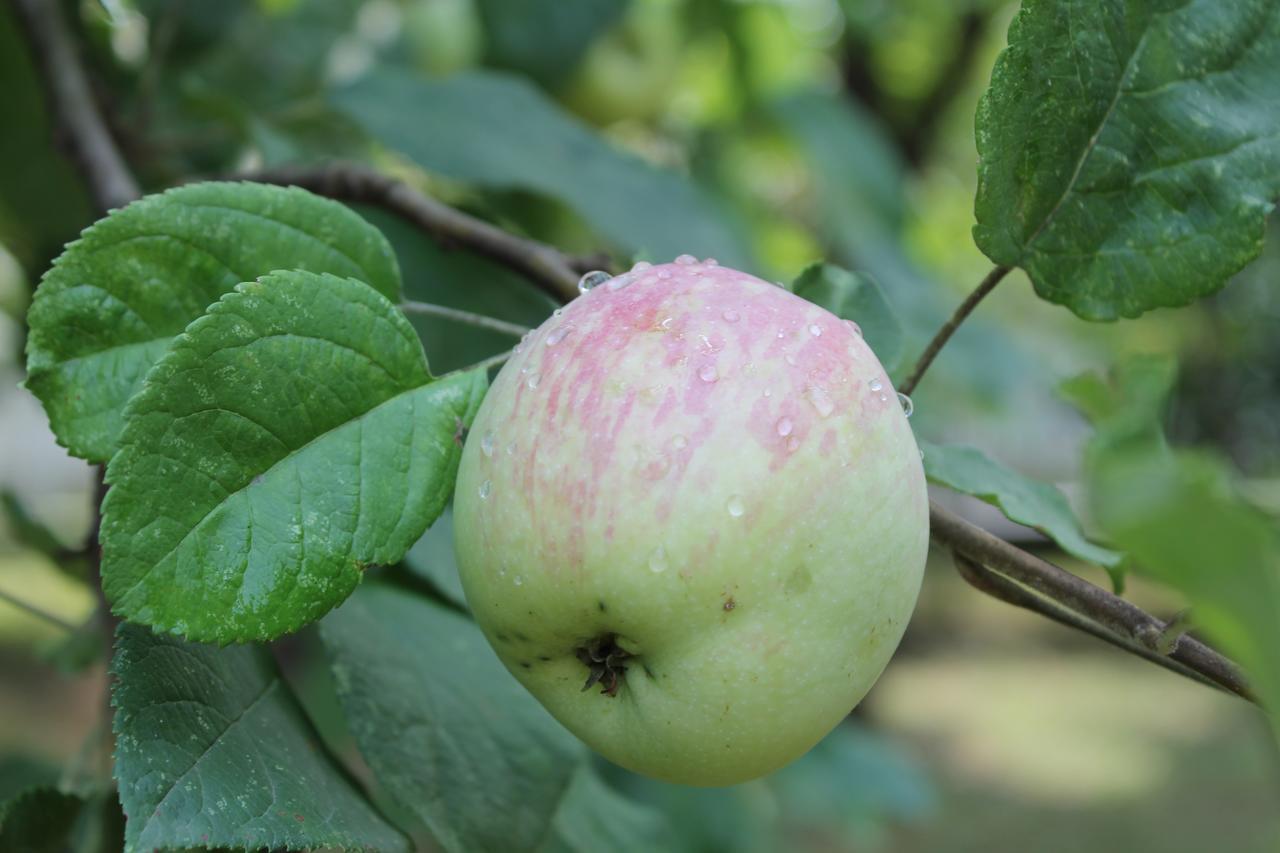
(718, 475)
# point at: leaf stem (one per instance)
(949, 328)
(480, 321)
(37, 611)
(491, 361)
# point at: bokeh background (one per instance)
(770, 133)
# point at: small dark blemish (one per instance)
(730, 604)
(522, 637)
(543, 658)
(524, 664)
(601, 605)
(502, 638)
(648, 671)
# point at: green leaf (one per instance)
(545, 39)
(432, 558)
(1130, 152)
(447, 730)
(855, 297)
(116, 297)
(1129, 404)
(45, 820)
(290, 438)
(593, 816)
(213, 750)
(1021, 499)
(504, 134)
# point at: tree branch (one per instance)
(480, 321)
(78, 126)
(949, 328)
(552, 270)
(37, 611)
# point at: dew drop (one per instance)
(619, 282)
(592, 280)
(686, 260)
(768, 392)
(884, 398)
(907, 406)
(711, 262)
(921, 452)
(658, 560)
(533, 381)
(853, 327)
(559, 312)
(792, 443)
(784, 426)
(791, 359)
(876, 385)
(558, 334)
(679, 442)
(518, 580)
(486, 489)
(815, 330)
(640, 266)
(511, 449)
(820, 400)
(735, 506)
(486, 443)
(664, 274)
(781, 334)
(708, 373)
(665, 323)
(731, 316)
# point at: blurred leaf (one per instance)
(855, 297)
(447, 730)
(138, 277)
(1130, 404)
(502, 133)
(1129, 153)
(288, 439)
(20, 772)
(737, 819)
(432, 558)
(77, 651)
(459, 279)
(25, 529)
(592, 816)
(212, 750)
(1025, 501)
(42, 202)
(45, 820)
(545, 39)
(853, 776)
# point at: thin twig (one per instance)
(78, 125)
(552, 270)
(478, 320)
(491, 361)
(1127, 625)
(949, 328)
(37, 611)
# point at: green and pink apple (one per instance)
(697, 493)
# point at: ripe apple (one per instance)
(697, 495)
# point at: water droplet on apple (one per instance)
(658, 560)
(711, 262)
(820, 400)
(486, 443)
(559, 312)
(791, 359)
(708, 373)
(784, 426)
(731, 316)
(558, 334)
(853, 327)
(686, 260)
(486, 489)
(735, 506)
(679, 442)
(664, 274)
(815, 330)
(640, 266)
(665, 323)
(781, 334)
(793, 443)
(533, 381)
(876, 385)
(511, 449)
(907, 406)
(884, 398)
(518, 580)
(592, 280)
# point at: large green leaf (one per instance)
(545, 39)
(115, 298)
(1023, 500)
(290, 438)
(502, 133)
(212, 750)
(433, 559)
(1130, 151)
(855, 297)
(458, 741)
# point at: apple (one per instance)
(691, 519)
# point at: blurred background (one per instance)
(770, 134)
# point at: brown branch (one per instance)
(552, 270)
(949, 328)
(1010, 574)
(78, 126)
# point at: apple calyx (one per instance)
(603, 658)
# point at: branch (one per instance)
(37, 611)
(993, 565)
(949, 328)
(552, 270)
(78, 126)
(1010, 574)
(480, 321)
